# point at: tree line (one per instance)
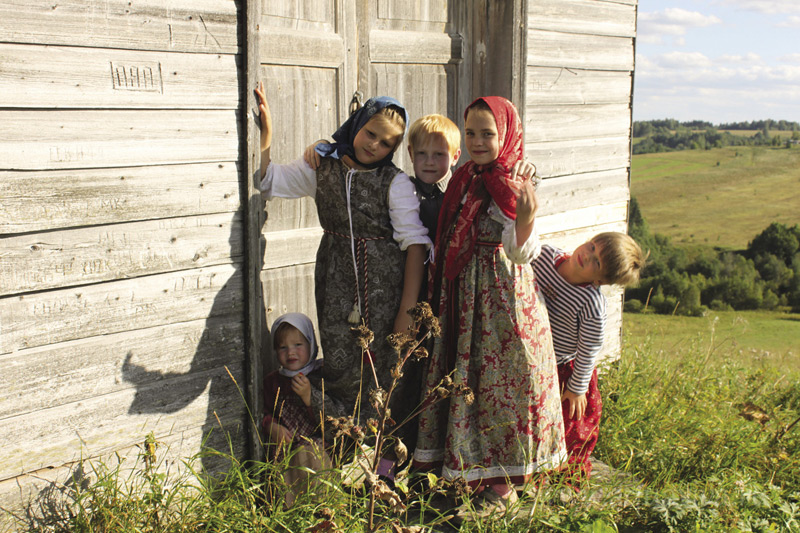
(667, 135)
(764, 276)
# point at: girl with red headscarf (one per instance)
(496, 337)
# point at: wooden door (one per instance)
(314, 56)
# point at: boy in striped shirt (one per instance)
(571, 284)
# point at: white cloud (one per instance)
(684, 60)
(673, 21)
(789, 22)
(770, 7)
(791, 58)
(750, 57)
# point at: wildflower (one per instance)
(326, 523)
(420, 353)
(384, 493)
(364, 336)
(400, 451)
(460, 486)
(466, 392)
(377, 397)
(422, 315)
(341, 426)
(397, 371)
(372, 424)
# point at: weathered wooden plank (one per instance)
(422, 89)
(559, 195)
(58, 259)
(565, 86)
(90, 139)
(287, 290)
(98, 425)
(35, 201)
(591, 17)
(34, 496)
(563, 123)
(416, 47)
(427, 11)
(310, 48)
(562, 158)
(587, 217)
(564, 50)
(72, 77)
(300, 13)
(56, 374)
(291, 247)
(196, 26)
(39, 319)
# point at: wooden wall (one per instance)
(578, 97)
(122, 305)
(130, 265)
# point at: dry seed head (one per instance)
(364, 336)
(377, 397)
(420, 353)
(397, 371)
(400, 451)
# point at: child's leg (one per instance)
(581, 435)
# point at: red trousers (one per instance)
(581, 435)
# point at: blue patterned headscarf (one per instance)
(343, 137)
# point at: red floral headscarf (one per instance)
(476, 184)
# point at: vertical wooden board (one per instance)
(591, 17)
(291, 89)
(67, 372)
(422, 89)
(566, 50)
(63, 77)
(44, 200)
(567, 86)
(89, 139)
(423, 11)
(564, 123)
(66, 258)
(299, 12)
(196, 26)
(99, 425)
(563, 158)
(287, 290)
(56, 316)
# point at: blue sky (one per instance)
(717, 60)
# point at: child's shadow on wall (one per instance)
(218, 360)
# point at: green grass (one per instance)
(701, 420)
(722, 197)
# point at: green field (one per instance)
(766, 337)
(722, 197)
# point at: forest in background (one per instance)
(666, 135)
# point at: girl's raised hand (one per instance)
(310, 155)
(527, 202)
(266, 117)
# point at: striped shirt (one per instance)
(577, 318)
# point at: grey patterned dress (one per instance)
(380, 265)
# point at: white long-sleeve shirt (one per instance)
(298, 180)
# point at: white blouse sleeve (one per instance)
(404, 213)
(293, 180)
(520, 255)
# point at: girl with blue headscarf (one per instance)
(370, 261)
